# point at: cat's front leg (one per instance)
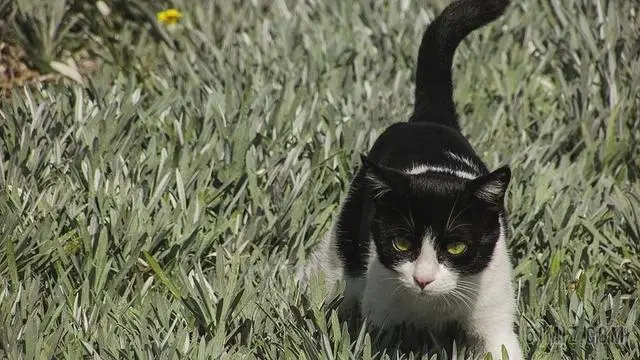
(493, 342)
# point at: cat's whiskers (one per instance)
(458, 226)
(460, 213)
(409, 220)
(468, 284)
(462, 297)
(451, 211)
(469, 288)
(413, 225)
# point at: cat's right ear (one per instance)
(380, 180)
(491, 188)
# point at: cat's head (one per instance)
(433, 229)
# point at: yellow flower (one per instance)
(169, 16)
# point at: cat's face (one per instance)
(432, 230)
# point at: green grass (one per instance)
(158, 211)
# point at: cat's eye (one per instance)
(456, 248)
(401, 244)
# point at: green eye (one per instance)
(401, 244)
(456, 248)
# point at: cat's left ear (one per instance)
(380, 180)
(491, 188)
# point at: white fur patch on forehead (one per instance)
(424, 168)
(463, 160)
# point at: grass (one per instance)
(156, 210)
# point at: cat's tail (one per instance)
(434, 88)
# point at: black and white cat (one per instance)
(421, 237)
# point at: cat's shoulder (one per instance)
(417, 138)
(418, 129)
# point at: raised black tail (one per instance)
(434, 88)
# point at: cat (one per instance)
(420, 239)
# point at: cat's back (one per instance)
(405, 145)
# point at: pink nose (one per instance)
(422, 281)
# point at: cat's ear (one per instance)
(491, 188)
(381, 180)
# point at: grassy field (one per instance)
(156, 206)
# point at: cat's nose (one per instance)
(422, 281)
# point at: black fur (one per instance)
(384, 202)
(434, 87)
